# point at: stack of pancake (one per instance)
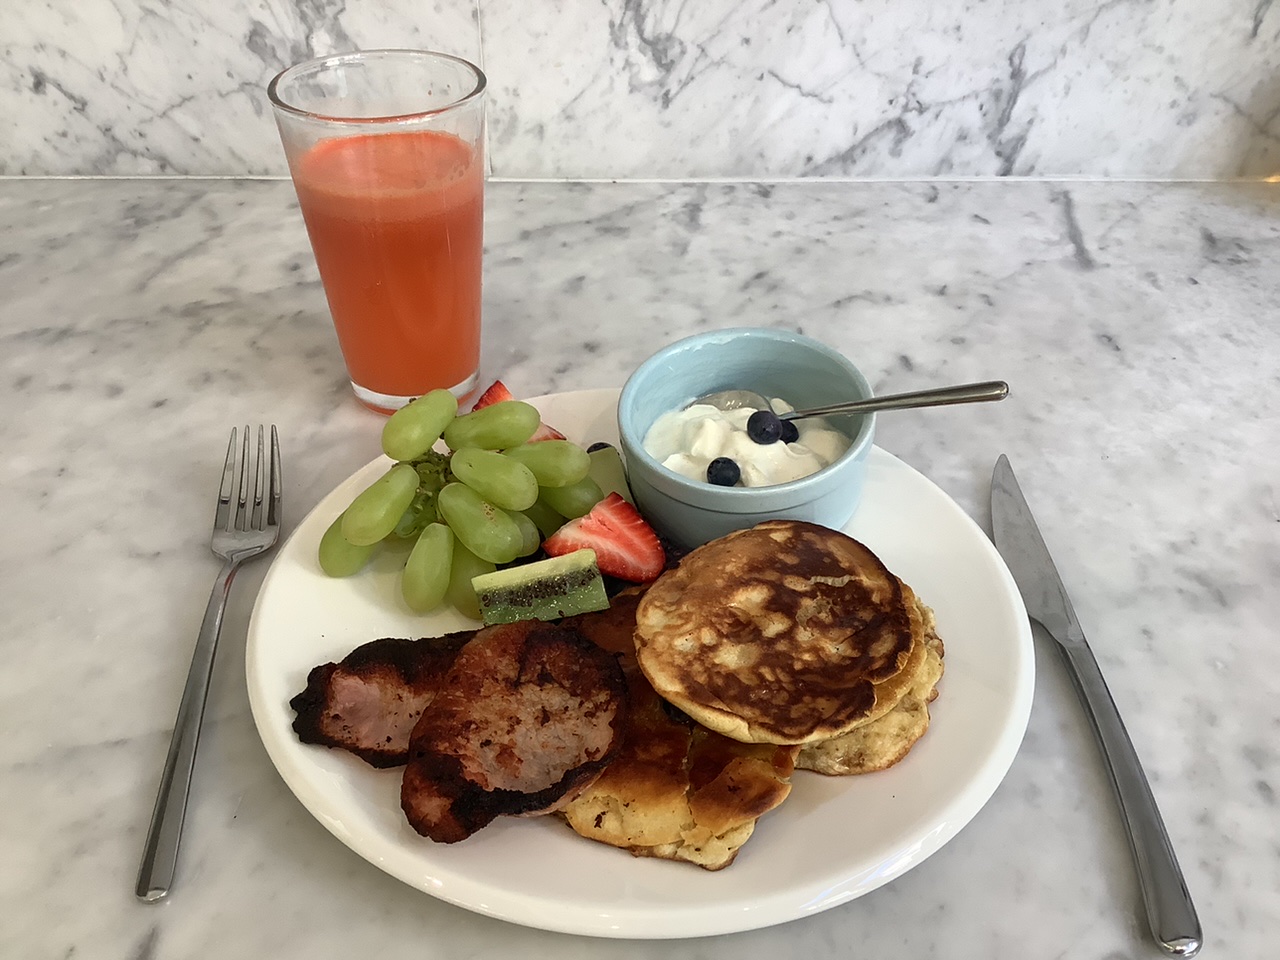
(785, 645)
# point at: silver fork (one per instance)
(242, 529)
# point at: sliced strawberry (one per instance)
(626, 546)
(496, 393)
(545, 432)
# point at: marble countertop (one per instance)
(1135, 322)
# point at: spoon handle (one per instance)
(941, 397)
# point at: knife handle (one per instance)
(1169, 908)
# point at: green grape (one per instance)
(495, 427)
(545, 519)
(572, 501)
(485, 530)
(556, 463)
(413, 429)
(425, 579)
(465, 566)
(339, 557)
(504, 483)
(376, 511)
(528, 530)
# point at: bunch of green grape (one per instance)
(489, 501)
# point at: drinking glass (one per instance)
(386, 152)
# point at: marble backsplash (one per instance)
(671, 89)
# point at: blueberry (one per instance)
(723, 472)
(764, 427)
(598, 445)
(790, 433)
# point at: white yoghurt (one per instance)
(685, 441)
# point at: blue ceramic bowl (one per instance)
(776, 363)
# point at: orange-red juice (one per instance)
(395, 221)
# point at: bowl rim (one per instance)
(742, 499)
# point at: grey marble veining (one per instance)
(883, 89)
(108, 87)
(1134, 322)
(658, 88)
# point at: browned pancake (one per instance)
(787, 633)
(676, 790)
(528, 716)
(885, 741)
(614, 627)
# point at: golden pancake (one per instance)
(881, 743)
(676, 790)
(786, 633)
(891, 694)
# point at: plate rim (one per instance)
(681, 920)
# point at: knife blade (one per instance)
(1170, 912)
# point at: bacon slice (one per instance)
(369, 703)
(529, 716)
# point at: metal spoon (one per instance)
(937, 397)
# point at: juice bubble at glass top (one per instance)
(386, 151)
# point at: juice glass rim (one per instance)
(356, 55)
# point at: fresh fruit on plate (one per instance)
(339, 557)
(543, 590)
(625, 545)
(497, 392)
(414, 429)
(475, 490)
(608, 472)
(553, 463)
(506, 424)
(373, 514)
(468, 492)
(498, 478)
(485, 530)
(573, 500)
(426, 573)
(461, 595)
(544, 518)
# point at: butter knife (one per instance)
(1164, 891)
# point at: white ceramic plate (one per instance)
(834, 839)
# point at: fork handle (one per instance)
(160, 856)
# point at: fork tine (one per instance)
(277, 480)
(259, 479)
(242, 517)
(222, 516)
